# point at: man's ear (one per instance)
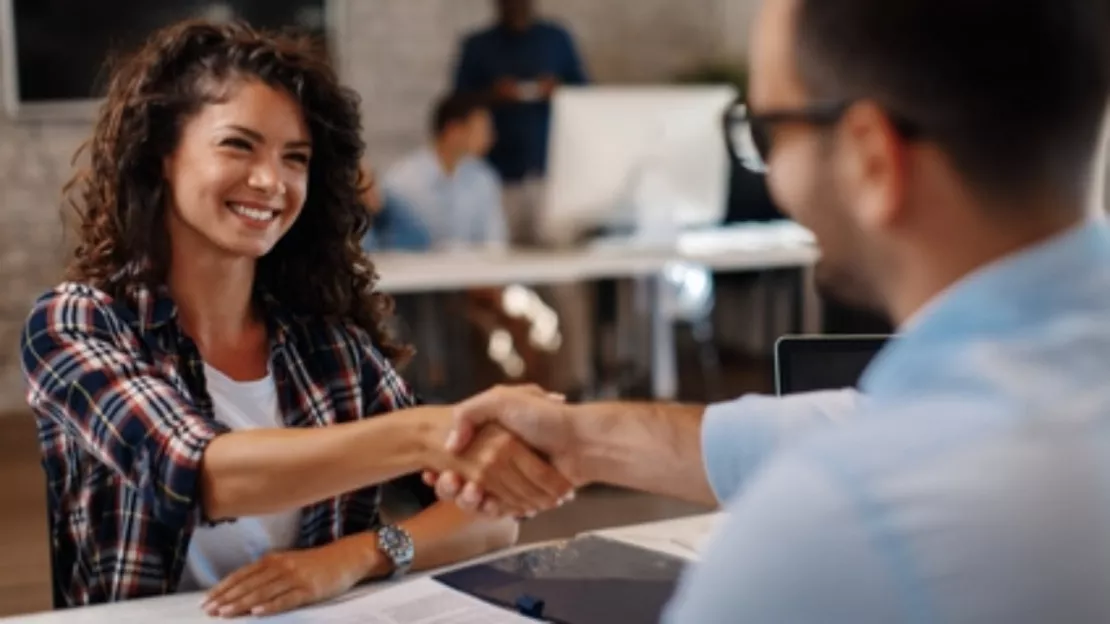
(871, 166)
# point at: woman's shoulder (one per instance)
(77, 305)
(71, 302)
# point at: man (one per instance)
(449, 188)
(970, 485)
(516, 66)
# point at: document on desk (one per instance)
(419, 601)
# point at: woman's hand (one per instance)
(287, 580)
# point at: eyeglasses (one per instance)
(748, 135)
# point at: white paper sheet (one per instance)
(419, 601)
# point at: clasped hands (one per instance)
(511, 453)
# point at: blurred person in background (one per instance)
(516, 65)
(214, 386)
(456, 196)
(968, 482)
(453, 192)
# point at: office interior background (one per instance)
(399, 55)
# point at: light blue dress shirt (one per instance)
(462, 209)
(971, 484)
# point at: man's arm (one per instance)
(792, 549)
(651, 447)
(702, 454)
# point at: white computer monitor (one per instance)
(647, 160)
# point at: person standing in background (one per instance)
(516, 65)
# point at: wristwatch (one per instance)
(396, 543)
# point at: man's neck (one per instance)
(928, 272)
(447, 157)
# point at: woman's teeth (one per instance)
(253, 213)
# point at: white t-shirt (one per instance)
(215, 552)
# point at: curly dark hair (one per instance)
(318, 268)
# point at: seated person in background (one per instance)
(393, 225)
(455, 194)
(214, 389)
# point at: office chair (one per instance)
(687, 297)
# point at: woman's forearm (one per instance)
(441, 534)
(444, 534)
(265, 471)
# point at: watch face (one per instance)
(396, 543)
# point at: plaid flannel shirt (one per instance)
(124, 418)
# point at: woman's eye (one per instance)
(299, 158)
(237, 143)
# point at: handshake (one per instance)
(511, 451)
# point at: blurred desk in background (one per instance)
(736, 248)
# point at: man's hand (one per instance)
(548, 84)
(493, 460)
(506, 90)
(538, 418)
(286, 580)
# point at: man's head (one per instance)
(516, 15)
(462, 124)
(923, 132)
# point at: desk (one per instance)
(747, 247)
(674, 536)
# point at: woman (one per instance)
(217, 348)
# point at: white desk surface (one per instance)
(679, 537)
(738, 248)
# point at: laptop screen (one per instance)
(808, 363)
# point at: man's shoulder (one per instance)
(478, 36)
(481, 171)
(552, 28)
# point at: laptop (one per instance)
(827, 362)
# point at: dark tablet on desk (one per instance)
(808, 363)
(590, 580)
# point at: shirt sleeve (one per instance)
(468, 72)
(400, 227)
(738, 436)
(791, 549)
(119, 408)
(574, 71)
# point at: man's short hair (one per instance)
(455, 108)
(1013, 91)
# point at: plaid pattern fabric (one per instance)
(123, 416)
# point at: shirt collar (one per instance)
(1012, 295)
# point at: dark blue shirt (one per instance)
(522, 128)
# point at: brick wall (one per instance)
(399, 55)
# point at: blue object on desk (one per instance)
(530, 606)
